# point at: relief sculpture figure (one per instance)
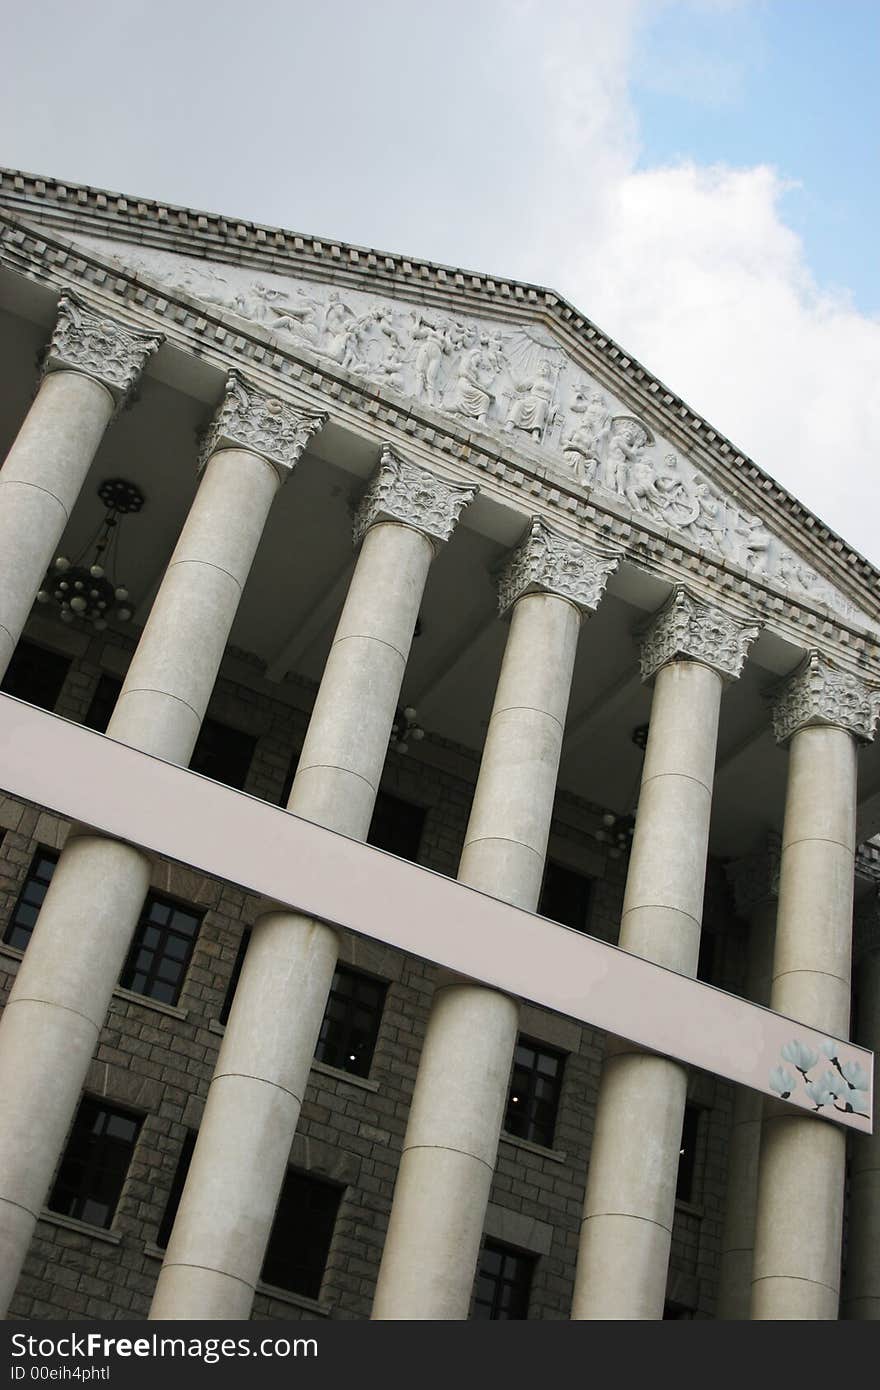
(530, 410)
(471, 395)
(583, 448)
(434, 343)
(627, 438)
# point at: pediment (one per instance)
(511, 380)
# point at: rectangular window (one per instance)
(504, 1282)
(95, 1162)
(30, 900)
(234, 977)
(351, 1021)
(687, 1154)
(161, 950)
(565, 896)
(163, 1235)
(35, 674)
(103, 703)
(222, 753)
(397, 826)
(301, 1234)
(534, 1092)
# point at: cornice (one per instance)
(163, 224)
(518, 477)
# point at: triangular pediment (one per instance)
(509, 378)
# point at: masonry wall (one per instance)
(159, 1060)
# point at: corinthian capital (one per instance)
(249, 419)
(687, 629)
(88, 341)
(403, 491)
(547, 563)
(820, 693)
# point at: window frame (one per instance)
(522, 1285)
(41, 852)
(353, 1064)
(131, 970)
(81, 1192)
(280, 1243)
(531, 1124)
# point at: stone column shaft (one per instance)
(630, 1199)
(224, 1221)
(458, 1107)
(797, 1255)
(61, 995)
(93, 362)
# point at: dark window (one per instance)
(234, 977)
(565, 896)
(351, 1021)
(288, 780)
(223, 754)
(95, 1162)
(687, 1154)
(534, 1092)
(706, 957)
(397, 826)
(161, 950)
(504, 1281)
(673, 1311)
(103, 703)
(301, 1234)
(35, 674)
(30, 900)
(163, 1235)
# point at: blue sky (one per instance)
(793, 83)
(699, 176)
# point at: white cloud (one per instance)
(696, 272)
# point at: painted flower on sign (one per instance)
(782, 1082)
(800, 1056)
(844, 1085)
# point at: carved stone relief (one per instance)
(818, 692)
(99, 346)
(403, 491)
(513, 381)
(548, 563)
(687, 629)
(249, 419)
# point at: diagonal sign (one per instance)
(177, 813)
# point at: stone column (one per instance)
(225, 1216)
(92, 365)
(755, 882)
(690, 649)
(458, 1106)
(861, 1300)
(60, 999)
(821, 713)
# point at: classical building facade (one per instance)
(427, 561)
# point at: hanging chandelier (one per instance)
(404, 728)
(617, 831)
(87, 588)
